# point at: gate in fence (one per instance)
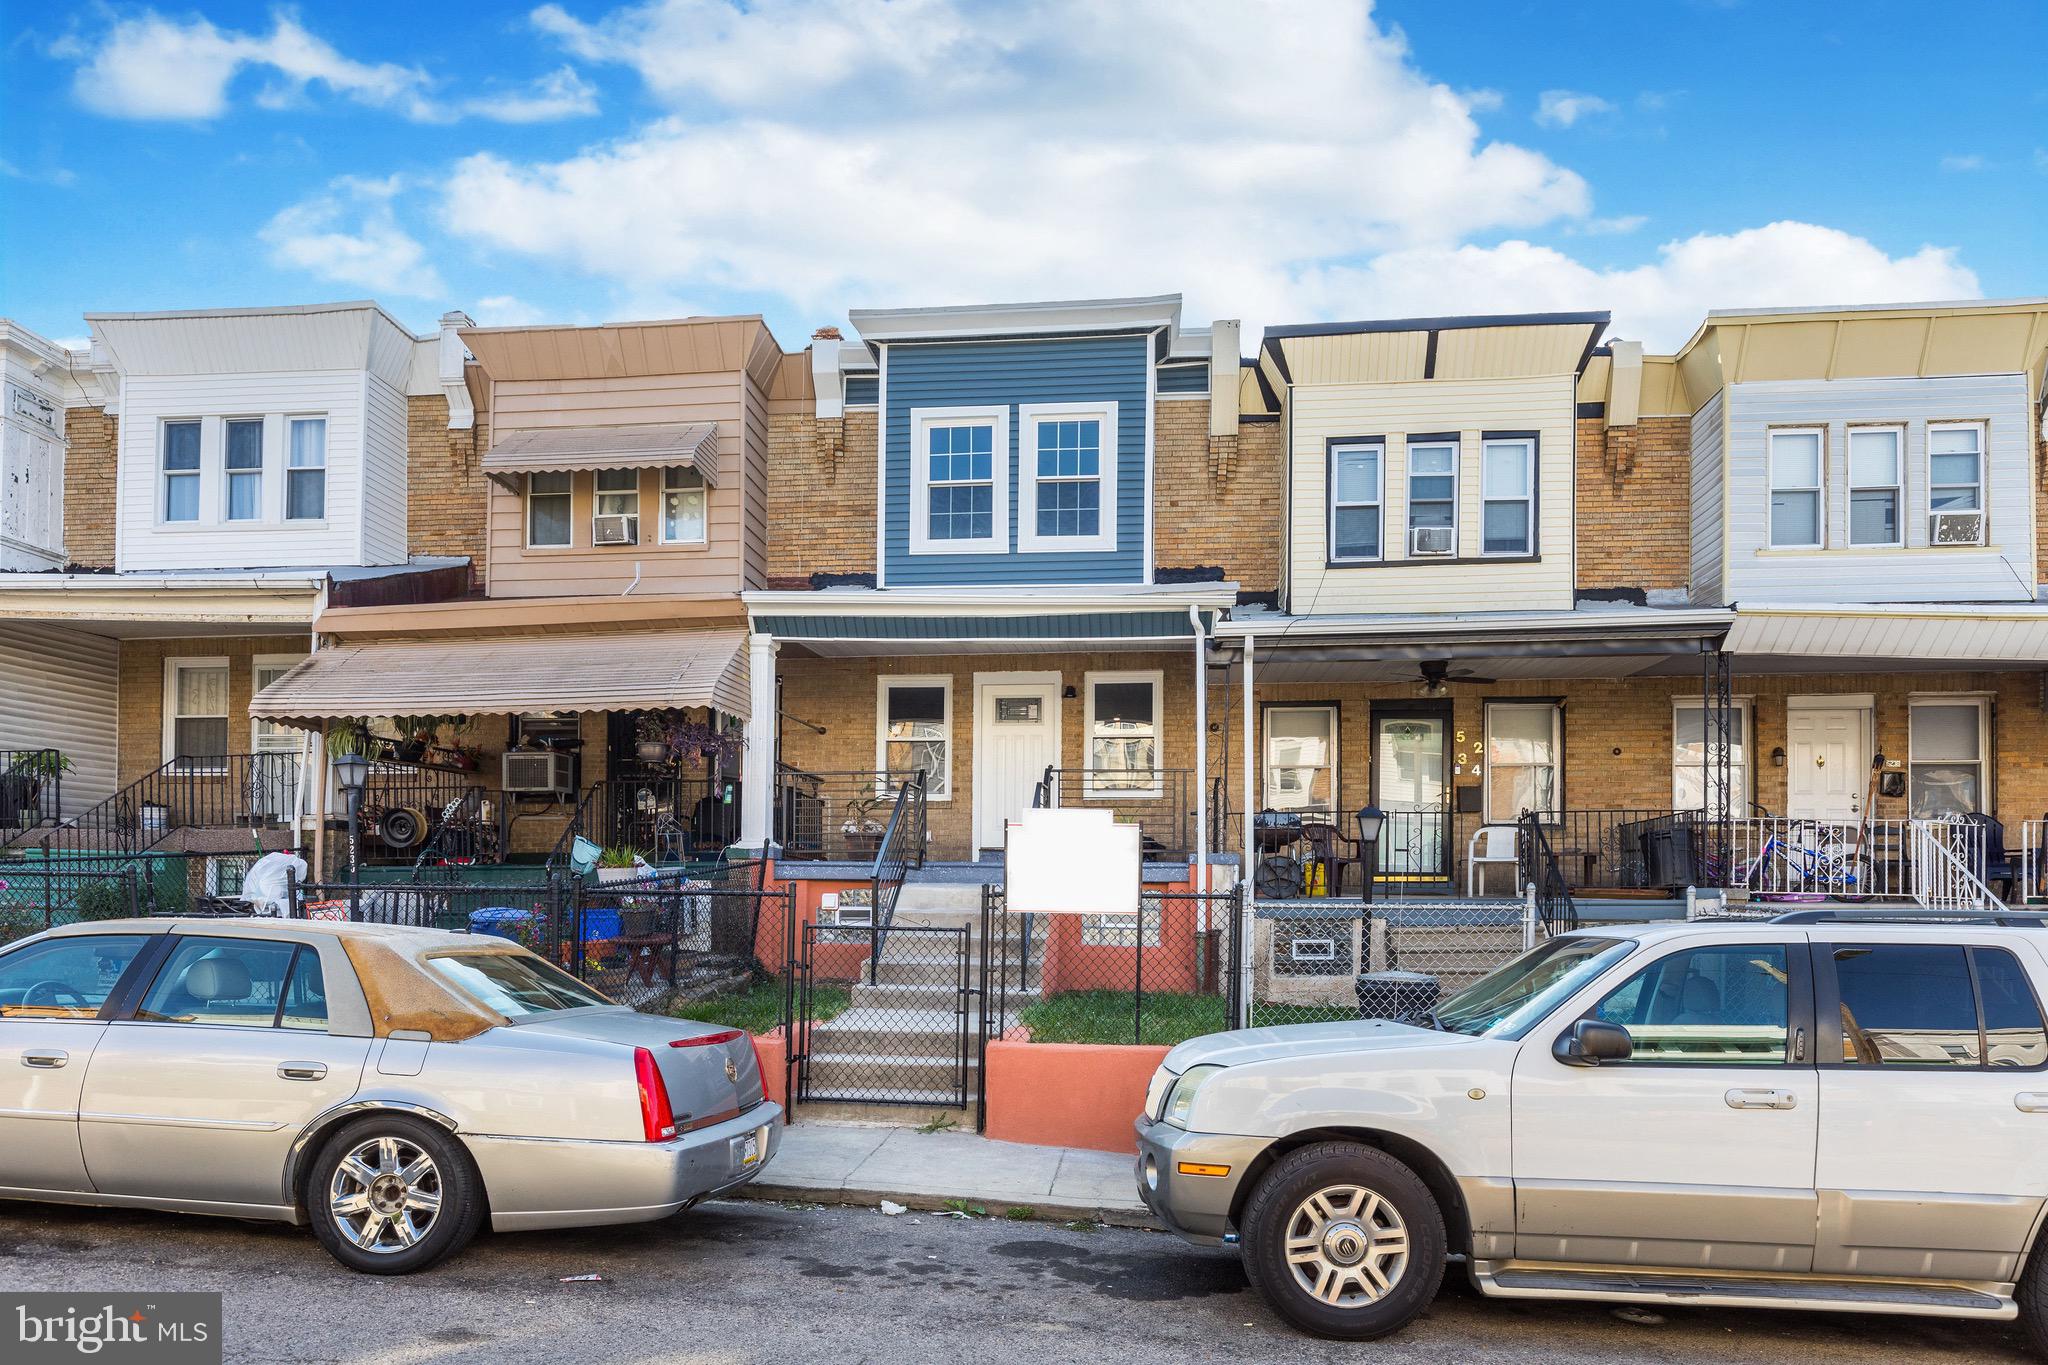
(885, 1020)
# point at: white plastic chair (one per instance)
(1491, 846)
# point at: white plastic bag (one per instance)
(267, 884)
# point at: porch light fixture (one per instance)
(1371, 822)
(1778, 756)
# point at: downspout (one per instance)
(1201, 756)
(636, 580)
(1247, 943)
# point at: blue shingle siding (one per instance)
(862, 390)
(1184, 378)
(983, 373)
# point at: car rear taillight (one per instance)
(706, 1040)
(657, 1120)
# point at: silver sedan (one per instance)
(392, 1087)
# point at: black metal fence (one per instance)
(40, 894)
(1159, 801)
(841, 816)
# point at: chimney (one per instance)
(827, 334)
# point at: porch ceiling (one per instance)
(1308, 667)
(501, 676)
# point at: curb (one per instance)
(1042, 1211)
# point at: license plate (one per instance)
(746, 1150)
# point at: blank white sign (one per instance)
(1074, 862)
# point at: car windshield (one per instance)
(515, 984)
(1507, 1002)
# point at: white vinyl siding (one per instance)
(1708, 520)
(1391, 412)
(385, 494)
(63, 692)
(2002, 569)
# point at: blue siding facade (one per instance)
(861, 390)
(1184, 379)
(985, 373)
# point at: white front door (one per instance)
(1827, 761)
(1016, 738)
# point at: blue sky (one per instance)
(1279, 162)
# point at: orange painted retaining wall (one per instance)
(1068, 1094)
(773, 1049)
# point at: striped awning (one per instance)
(1909, 637)
(552, 450)
(510, 675)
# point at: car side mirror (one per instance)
(1591, 1042)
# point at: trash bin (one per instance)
(506, 921)
(1404, 997)
(1667, 856)
(599, 923)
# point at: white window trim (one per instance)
(1528, 500)
(526, 514)
(1985, 776)
(1157, 679)
(1745, 707)
(285, 481)
(1333, 505)
(1819, 490)
(1029, 415)
(998, 539)
(228, 475)
(164, 474)
(882, 686)
(1486, 712)
(661, 508)
(257, 663)
(1983, 508)
(597, 496)
(1408, 499)
(1266, 764)
(174, 666)
(1897, 488)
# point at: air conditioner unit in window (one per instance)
(538, 770)
(1955, 528)
(615, 529)
(1431, 540)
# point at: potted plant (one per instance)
(21, 786)
(619, 863)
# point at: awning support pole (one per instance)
(1202, 882)
(757, 765)
(1247, 938)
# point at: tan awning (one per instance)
(511, 675)
(556, 449)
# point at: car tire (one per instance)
(2032, 1295)
(1369, 1241)
(390, 1194)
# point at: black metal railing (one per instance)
(31, 791)
(1160, 801)
(222, 791)
(840, 816)
(1622, 849)
(901, 849)
(1554, 906)
(414, 812)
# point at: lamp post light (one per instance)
(352, 771)
(1371, 821)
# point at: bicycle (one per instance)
(1823, 866)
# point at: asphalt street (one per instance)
(743, 1281)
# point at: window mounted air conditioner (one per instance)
(1431, 540)
(1955, 528)
(615, 529)
(538, 770)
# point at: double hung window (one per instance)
(244, 439)
(1876, 463)
(1356, 491)
(549, 498)
(1507, 478)
(1432, 497)
(305, 480)
(1796, 460)
(181, 471)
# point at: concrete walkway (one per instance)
(858, 1163)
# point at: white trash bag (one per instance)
(267, 884)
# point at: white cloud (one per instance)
(59, 176)
(350, 235)
(1784, 264)
(1970, 161)
(1618, 226)
(1563, 108)
(505, 310)
(148, 66)
(557, 95)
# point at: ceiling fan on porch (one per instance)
(1438, 673)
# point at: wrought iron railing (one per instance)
(1623, 848)
(31, 791)
(901, 849)
(839, 815)
(225, 791)
(1160, 801)
(1554, 905)
(665, 819)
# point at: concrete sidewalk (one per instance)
(858, 1163)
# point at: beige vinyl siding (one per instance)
(581, 568)
(62, 691)
(1391, 411)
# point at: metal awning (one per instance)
(853, 622)
(1801, 638)
(510, 675)
(554, 450)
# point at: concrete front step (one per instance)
(885, 996)
(883, 1075)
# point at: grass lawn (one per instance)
(758, 1008)
(1106, 1017)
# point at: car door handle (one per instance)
(1761, 1099)
(302, 1071)
(48, 1059)
(2031, 1102)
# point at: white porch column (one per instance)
(1201, 878)
(757, 765)
(1248, 926)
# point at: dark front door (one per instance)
(1411, 782)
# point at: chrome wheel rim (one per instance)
(1346, 1246)
(385, 1195)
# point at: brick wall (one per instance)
(448, 498)
(142, 690)
(1634, 489)
(821, 497)
(90, 474)
(1217, 503)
